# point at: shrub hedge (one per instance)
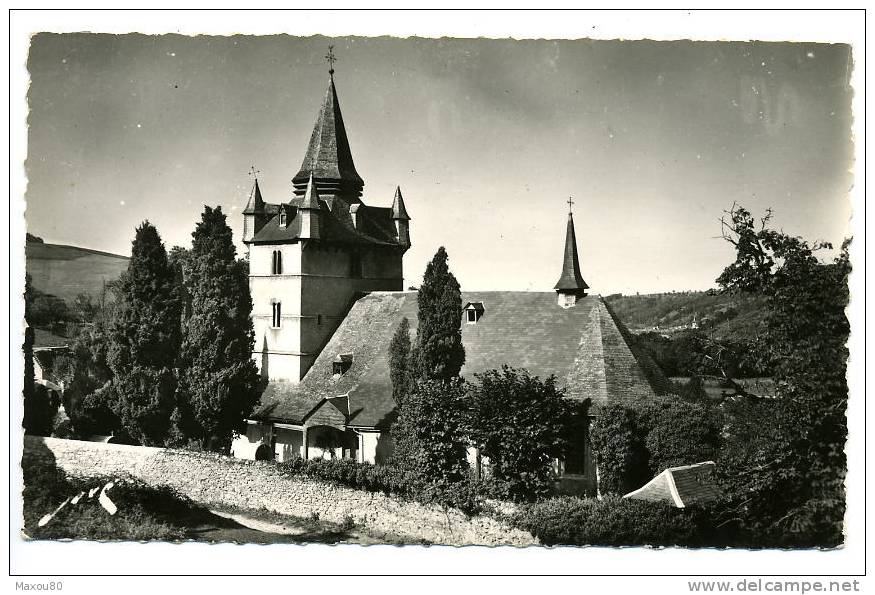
(388, 479)
(615, 521)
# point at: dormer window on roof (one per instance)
(473, 312)
(341, 364)
(283, 221)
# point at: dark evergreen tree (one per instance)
(399, 361)
(440, 354)
(218, 376)
(428, 433)
(145, 340)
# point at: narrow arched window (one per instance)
(277, 263)
(276, 314)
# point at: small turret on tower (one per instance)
(401, 219)
(309, 212)
(255, 214)
(571, 285)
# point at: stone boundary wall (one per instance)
(210, 479)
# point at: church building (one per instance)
(326, 282)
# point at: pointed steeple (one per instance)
(256, 203)
(328, 158)
(398, 209)
(571, 281)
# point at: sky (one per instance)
(487, 139)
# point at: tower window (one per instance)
(277, 266)
(277, 314)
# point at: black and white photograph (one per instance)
(571, 295)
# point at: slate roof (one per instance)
(328, 157)
(256, 202)
(374, 225)
(681, 486)
(582, 346)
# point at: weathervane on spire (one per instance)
(570, 202)
(331, 59)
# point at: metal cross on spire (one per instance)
(570, 202)
(254, 172)
(331, 59)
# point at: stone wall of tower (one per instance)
(316, 288)
(277, 350)
(334, 276)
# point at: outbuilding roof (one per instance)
(681, 486)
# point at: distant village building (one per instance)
(326, 279)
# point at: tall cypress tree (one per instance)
(429, 430)
(399, 361)
(144, 340)
(218, 376)
(439, 351)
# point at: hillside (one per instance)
(67, 271)
(727, 316)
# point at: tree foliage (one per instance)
(43, 310)
(521, 424)
(784, 461)
(618, 446)
(634, 442)
(218, 376)
(439, 351)
(145, 337)
(678, 433)
(400, 373)
(89, 400)
(429, 432)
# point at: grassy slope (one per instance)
(66, 271)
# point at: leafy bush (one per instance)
(678, 433)
(634, 443)
(521, 424)
(618, 446)
(388, 479)
(613, 521)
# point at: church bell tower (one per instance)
(313, 254)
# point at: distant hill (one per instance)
(67, 271)
(726, 316)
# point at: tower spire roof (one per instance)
(328, 158)
(255, 203)
(398, 209)
(570, 281)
